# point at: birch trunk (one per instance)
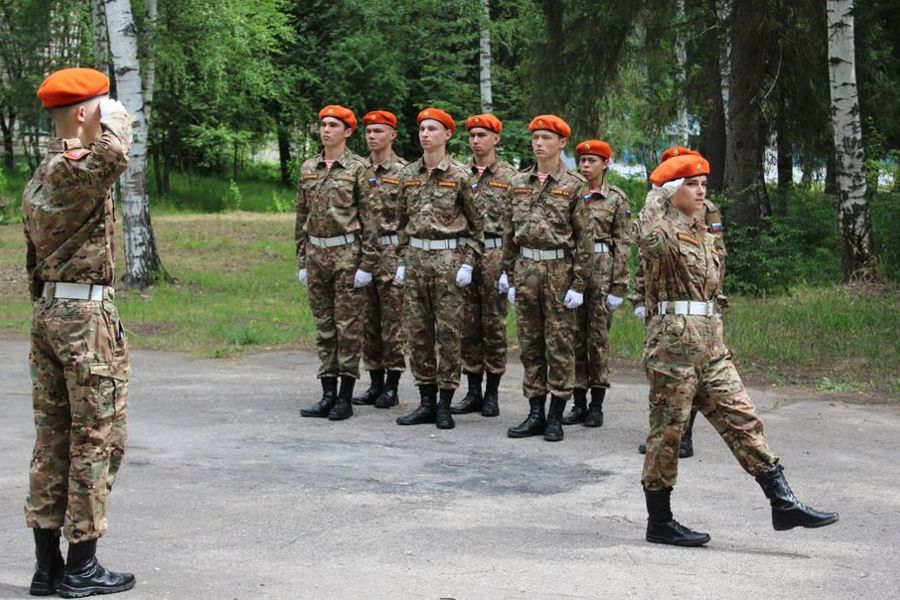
(487, 100)
(142, 264)
(852, 204)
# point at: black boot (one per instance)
(426, 411)
(85, 576)
(490, 406)
(686, 448)
(389, 397)
(534, 424)
(553, 431)
(594, 416)
(329, 395)
(473, 399)
(579, 407)
(369, 396)
(787, 511)
(48, 571)
(662, 528)
(343, 409)
(443, 418)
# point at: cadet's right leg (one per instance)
(533, 352)
(321, 292)
(419, 307)
(472, 345)
(393, 338)
(372, 343)
(579, 394)
(559, 331)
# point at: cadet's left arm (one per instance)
(584, 241)
(35, 287)
(621, 248)
(475, 222)
(369, 219)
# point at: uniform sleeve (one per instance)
(621, 248)
(35, 286)
(510, 248)
(300, 235)
(402, 220)
(584, 242)
(475, 222)
(369, 219)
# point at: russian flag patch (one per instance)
(716, 227)
(373, 181)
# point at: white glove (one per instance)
(362, 278)
(573, 299)
(503, 283)
(640, 312)
(672, 186)
(511, 295)
(613, 302)
(464, 276)
(400, 275)
(109, 106)
(303, 277)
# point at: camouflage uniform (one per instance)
(547, 217)
(332, 203)
(384, 343)
(79, 356)
(686, 354)
(610, 218)
(484, 337)
(436, 205)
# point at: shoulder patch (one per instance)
(309, 176)
(716, 227)
(390, 180)
(560, 192)
(447, 183)
(496, 183)
(686, 238)
(76, 153)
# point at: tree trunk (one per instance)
(8, 126)
(101, 38)
(148, 64)
(783, 146)
(484, 60)
(713, 134)
(852, 203)
(681, 53)
(142, 264)
(284, 154)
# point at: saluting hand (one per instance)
(109, 106)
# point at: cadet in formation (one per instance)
(441, 243)
(610, 224)
(337, 251)
(484, 335)
(685, 353)
(547, 260)
(384, 342)
(79, 357)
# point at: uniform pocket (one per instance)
(343, 192)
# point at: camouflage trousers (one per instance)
(79, 373)
(384, 343)
(546, 327)
(335, 306)
(592, 329)
(434, 314)
(484, 333)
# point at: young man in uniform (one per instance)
(79, 357)
(441, 244)
(337, 250)
(484, 337)
(547, 258)
(384, 341)
(610, 218)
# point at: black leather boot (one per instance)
(368, 397)
(389, 397)
(594, 416)
(534, 423)
(473, 399)
(343, 409)
(579, 407)
(787, 511)
(426, 411)
(443, 418)
(686, 447)
(85, 576)
(321, 408)
(48, 571)
(553, 431)
(490, 406)
(662, 528)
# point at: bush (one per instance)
(232, 198)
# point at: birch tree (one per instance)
(487, 100)
(852, 204)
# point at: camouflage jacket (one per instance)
(68, 209)
(490, 191)
(337, 201)
(610, 217)
(385, 184)
(548, 217)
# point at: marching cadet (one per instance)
(337, 250)
(484, 338)
(384, 343)
(685, 352)
(79, 356)
(441, 243)
(610, 218)
(547, 260)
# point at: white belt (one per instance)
(491, 243)
(331, 242)
(75, 291)
(600, 248)
(450, 244)
(687, 307)
(390, 240)
(535, 254)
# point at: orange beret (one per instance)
(676, 151)
(71, 86)
(438, 115)
(382, 117)
(487, 121)
(595, 147)
(683, 165)
(550, 123)
(339, 112)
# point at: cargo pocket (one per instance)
(111, 380)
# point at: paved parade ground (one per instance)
(226, 492)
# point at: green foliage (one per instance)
(232, 199)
